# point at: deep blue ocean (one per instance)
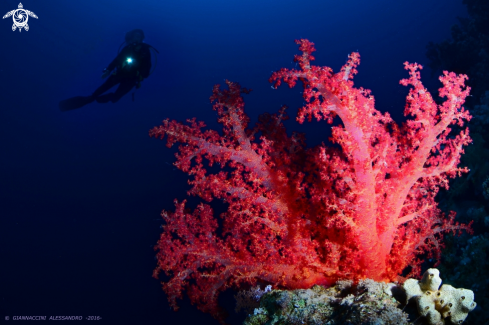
(81, 191)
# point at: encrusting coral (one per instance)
(439, 305)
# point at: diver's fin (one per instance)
(74, 103)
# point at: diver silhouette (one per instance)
(131, 66)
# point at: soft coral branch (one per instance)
(297, 217)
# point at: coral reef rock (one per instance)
(369, 302)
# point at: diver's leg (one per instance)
(109, 83)
(124, 87)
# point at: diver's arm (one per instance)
(117, 61)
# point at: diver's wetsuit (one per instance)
(127, 74)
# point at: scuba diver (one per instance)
(131, 66)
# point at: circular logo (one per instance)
(20, 17)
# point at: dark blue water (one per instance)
(81, 191)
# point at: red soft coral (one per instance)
(298, 217)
